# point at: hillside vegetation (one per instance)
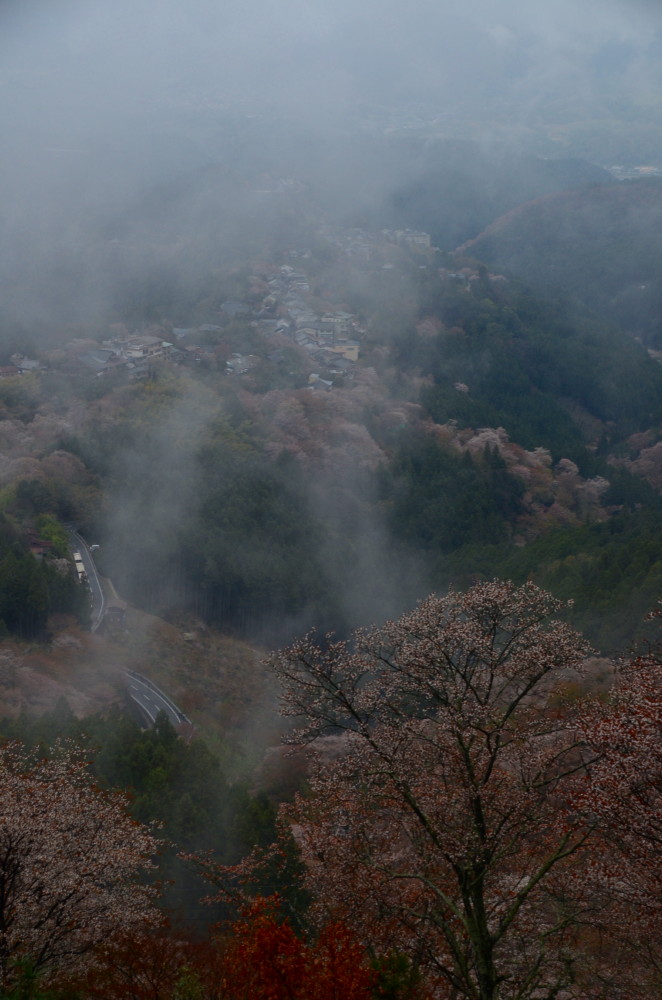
(599, 245)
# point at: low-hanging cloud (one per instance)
(103, 101)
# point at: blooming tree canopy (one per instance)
(623, 792)
(69, 859)
(443, 828)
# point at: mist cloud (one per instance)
(102, 101)
(135, 135)
(69, 62)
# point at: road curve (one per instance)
(150, 700)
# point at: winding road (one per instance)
(146, 696)
(98, 609)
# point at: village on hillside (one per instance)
(279, 305)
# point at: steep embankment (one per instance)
(220, 682)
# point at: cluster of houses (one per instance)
(466, 276)
(329, 339)
(284, 313)
(19, 365)
(411, 239)
(133, 353)
(362, 245)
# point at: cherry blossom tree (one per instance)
(623, 791)
(70, 856)
(444, 827)
(625, 781)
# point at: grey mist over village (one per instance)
(330, 500)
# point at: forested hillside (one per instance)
(599, 245)
(461, 185)
(487, 690)
(479, 416)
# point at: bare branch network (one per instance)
(70, 858)
(459, 822)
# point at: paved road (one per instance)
(98, 610)
(151, 700)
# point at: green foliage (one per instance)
(56, 497)
(32, 589)
(28, 986)
(33, 496)
(247, 551)
(440, 501)
(460, 187)
(203, 518)
(259, 542)
(599, 245)
(49, 529)
(612, 571)
(20, 396)
(397, 977)
(188, 986)
(523, 358)
(177, 783)
(24, 593)
(180, 786)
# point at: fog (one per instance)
(130, 91)
(79, 60)
(103, 101)
(137, 138)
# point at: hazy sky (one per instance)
(76, 73)
(101, 99)
(112, 56)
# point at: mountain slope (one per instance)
(601, 245)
